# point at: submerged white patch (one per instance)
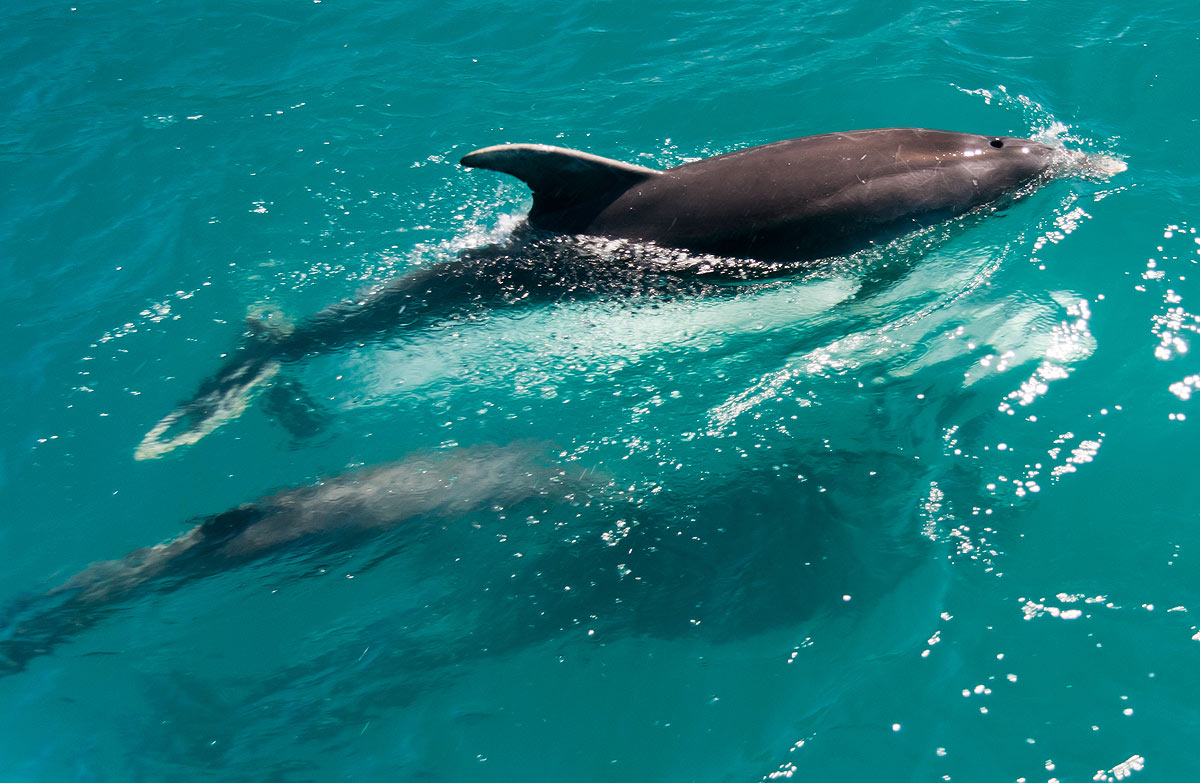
(225, 406)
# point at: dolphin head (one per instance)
(1000, 165)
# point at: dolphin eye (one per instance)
(997, 143)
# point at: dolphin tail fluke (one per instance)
(35, 624)
(31, 627)
(15, 652)
(222, 399)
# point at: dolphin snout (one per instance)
(1035, 149)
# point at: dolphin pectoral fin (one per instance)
(562, 180)
(193, 420)
(289, 403)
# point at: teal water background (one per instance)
(942, 528)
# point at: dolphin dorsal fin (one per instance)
(569, 187)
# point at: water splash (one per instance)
(1094, 160)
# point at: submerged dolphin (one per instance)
(330, 513)
(794, 201)
(530, 267)
(799, 200)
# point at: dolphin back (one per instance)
(795, 201)
(569, 187)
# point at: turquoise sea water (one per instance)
(928, 514)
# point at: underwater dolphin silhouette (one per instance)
(793, 201)
(335, 512)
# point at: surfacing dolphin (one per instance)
(799, 200)
(335, 513)
(778, 205)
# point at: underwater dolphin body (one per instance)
(530, 267)
(336, 512)
(793, 201)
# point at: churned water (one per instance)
(929, 513)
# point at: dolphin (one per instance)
(772, 207)
(333, 513)
(531, 266)
(799, 200)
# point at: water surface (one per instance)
(929, 514)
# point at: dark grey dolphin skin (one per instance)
(335, 513)
(793, 202)
(799, 200)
